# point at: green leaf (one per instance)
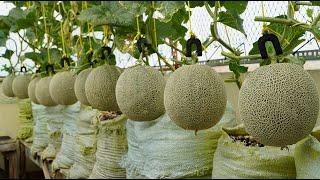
(310, 13)
(194, 4)
(238, 6)
(37, 58)
(173, 29)
(232, 19)
(293, 44)
(168, 9)
(3, 38)
(8, 54)
(18, 19)
(265, 62)
(294, 60)
(115, 13)
(236, 68)
(315, 3)
(316, 32)
(55, 55)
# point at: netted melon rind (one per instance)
(195, 97)
(61, 88)
(42, 92)
(7, 86)
(100, 88)
(279, 104)
(32, 90)
(139, 93)
(79, 86)
(20, 86)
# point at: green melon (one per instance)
(195, 97)
(139, 93)
(20, 86)
(42, 92)
(7, 86)
(279, 104)
(61, 88)
(100, 88)
(32, 90)
(79, 86)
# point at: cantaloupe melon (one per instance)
(7, 86)
(195, 97)
(20, 86)
(42, 92)
(61, 88)
(32, 90)
(79, 86)
(279, 104)
(100, 88)
(139, 93)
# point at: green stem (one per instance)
(288, 22)
(164, 60)
(174, 47)
(209, 42)
(238, 83)
(290, 11)
(232, 56)
(32, 46)
(214, 31)
(316, 20)
(304, 3)
(226, 45)
(290, 15)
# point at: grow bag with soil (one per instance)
(169, 151)
(25, 119)
(65, 157)
(54, 126)
(40, 130)
(111, 146)
(85, 143)
(240, 156)
(307, 156)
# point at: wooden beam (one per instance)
(22, 161)
(45, 170)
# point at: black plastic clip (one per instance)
(65, 59)
(38, 70)
(89, 58)
(23, 68)
(103, 49)
(195, 41)
(262, 44)
(51, 67)
(142, 43)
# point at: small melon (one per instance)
(139, 93)
(79, 86)
(42, 92)
(61, 88)
(279, 104)
(100, 88)
(32, 90)
(195, 97)
(20, 86)
(7, 86)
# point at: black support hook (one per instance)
(195, 41)
(103, 49)
(142, 43)
(65, 59)
(50, 66)
(23, 68)
(262, 44)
